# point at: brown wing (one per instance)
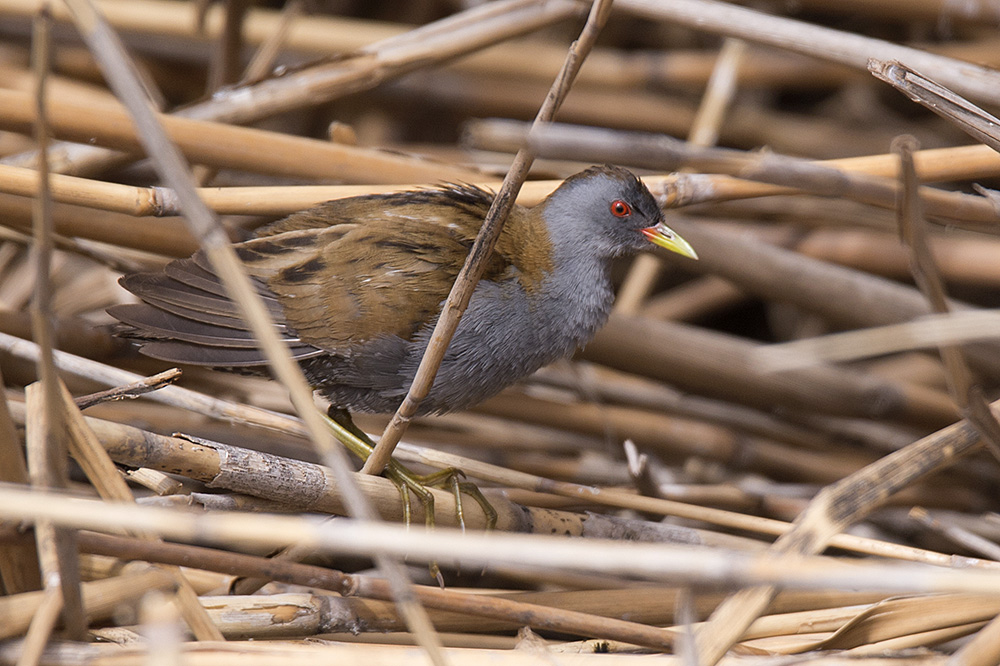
(383, 278)
(327, 287)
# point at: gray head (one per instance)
(608, 209)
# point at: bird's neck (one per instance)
(579, 291)
(527, 245)
(563, 274)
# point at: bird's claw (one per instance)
(406, 481)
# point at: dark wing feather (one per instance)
(190, 303)
(157, 323)
(187, 317)
(217, 357)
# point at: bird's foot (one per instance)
(406, 481)
(358, 442)
(451, 478)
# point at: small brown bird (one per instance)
(355, 286)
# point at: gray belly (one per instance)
(503, 337)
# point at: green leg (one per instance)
(358, 443)
(451, 478)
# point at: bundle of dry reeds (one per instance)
(785, 448)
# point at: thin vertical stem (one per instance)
(57, 547)
(482, 248)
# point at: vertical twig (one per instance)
(482, 248)
(159, 622)
(967, 395)
(910, 217)
(57, 557)
(225, 64)
(57, 547)
(685, 617)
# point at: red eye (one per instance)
(620, 209)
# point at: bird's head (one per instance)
(612, 211)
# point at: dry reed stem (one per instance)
(228, 146)
(943, 164)
(136, 201)
(115, 259)
(304, 486)
(455, 35)
(22, 79)
(225, 61)
(43, 622)
(842, 47)
(933, 638)
(102, 473)
(982, 650)
(324, 653)
(694, 565)
(962, 261)
(777, 174)
(923, 333)
(101, 598)
(931, 10)
(168, 236)
(959, 535)
(179, 20)
(590, 616)
(832, 509)
(973, 120)
(903, 616)
(716, 364)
